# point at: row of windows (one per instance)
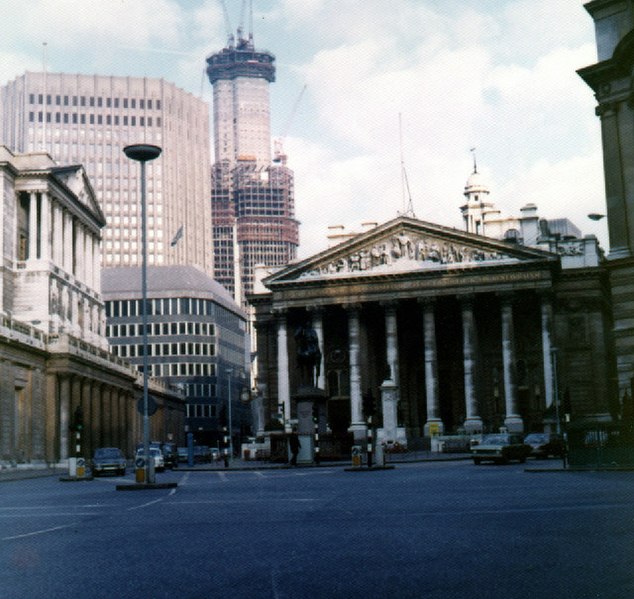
(165, 349)
(161, 328)
(93, 119)
(98, 101)
(200, 390)
(182, 369)
(201, 410)
(160, 306)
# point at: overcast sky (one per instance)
(497, 75)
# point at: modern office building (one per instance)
(88, 120)
(253, 205)
(54, 358)
(196, 341)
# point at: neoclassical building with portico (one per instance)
(439, 330)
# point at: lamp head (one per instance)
(142, 152)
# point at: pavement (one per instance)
(24, 471)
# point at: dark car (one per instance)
(501, 448)
(545, 444)
(170, 455)
(183, 454)
(108, 460)
(202, 454)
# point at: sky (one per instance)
(392, 87)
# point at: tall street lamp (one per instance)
(143, 153)
(229, 373)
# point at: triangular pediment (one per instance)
(76, 180)
(406, 245)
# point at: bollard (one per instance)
(356, 456)
(139, 470)
(317, 457)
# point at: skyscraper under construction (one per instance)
(253, 210)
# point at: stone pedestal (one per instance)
(311, 402)
(389, 400)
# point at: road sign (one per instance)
(152, 406)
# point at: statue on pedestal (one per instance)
(308, 355)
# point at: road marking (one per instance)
(49, 515)
(50, 507)
(138, 507)
(37, 532)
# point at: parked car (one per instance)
(182, 454)
(545, 444)
(108, 460)
(156, 455)
(500, 447)
(170, 455)
(202, 454)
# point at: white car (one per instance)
(156, 455)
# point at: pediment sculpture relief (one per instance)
(407, 251)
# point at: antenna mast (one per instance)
(408, 207)
(475, 164)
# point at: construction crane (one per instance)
(241, 40)
(229, 29)
(278, 143)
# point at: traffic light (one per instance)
(368, 404)
(78, 419)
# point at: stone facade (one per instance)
(53, 353)
(611, 80)
(465, 332)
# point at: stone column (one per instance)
(283, 384)
(81, 253)
(38, 415)
(434, 424)
(112, 412)
(68, 242)
(89, 416)
(473, 422)
(52, 421)
(96, 268)
(32, 226)
(58, 235)
(64, 416)
(45, 227)
(547, 319)
(513, 420)
(357, 424)
(97, 425)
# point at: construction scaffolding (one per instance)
(253, 222)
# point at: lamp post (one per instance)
(143, 153)
(229, 373)
(553, 352)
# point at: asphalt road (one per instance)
(437, 530)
